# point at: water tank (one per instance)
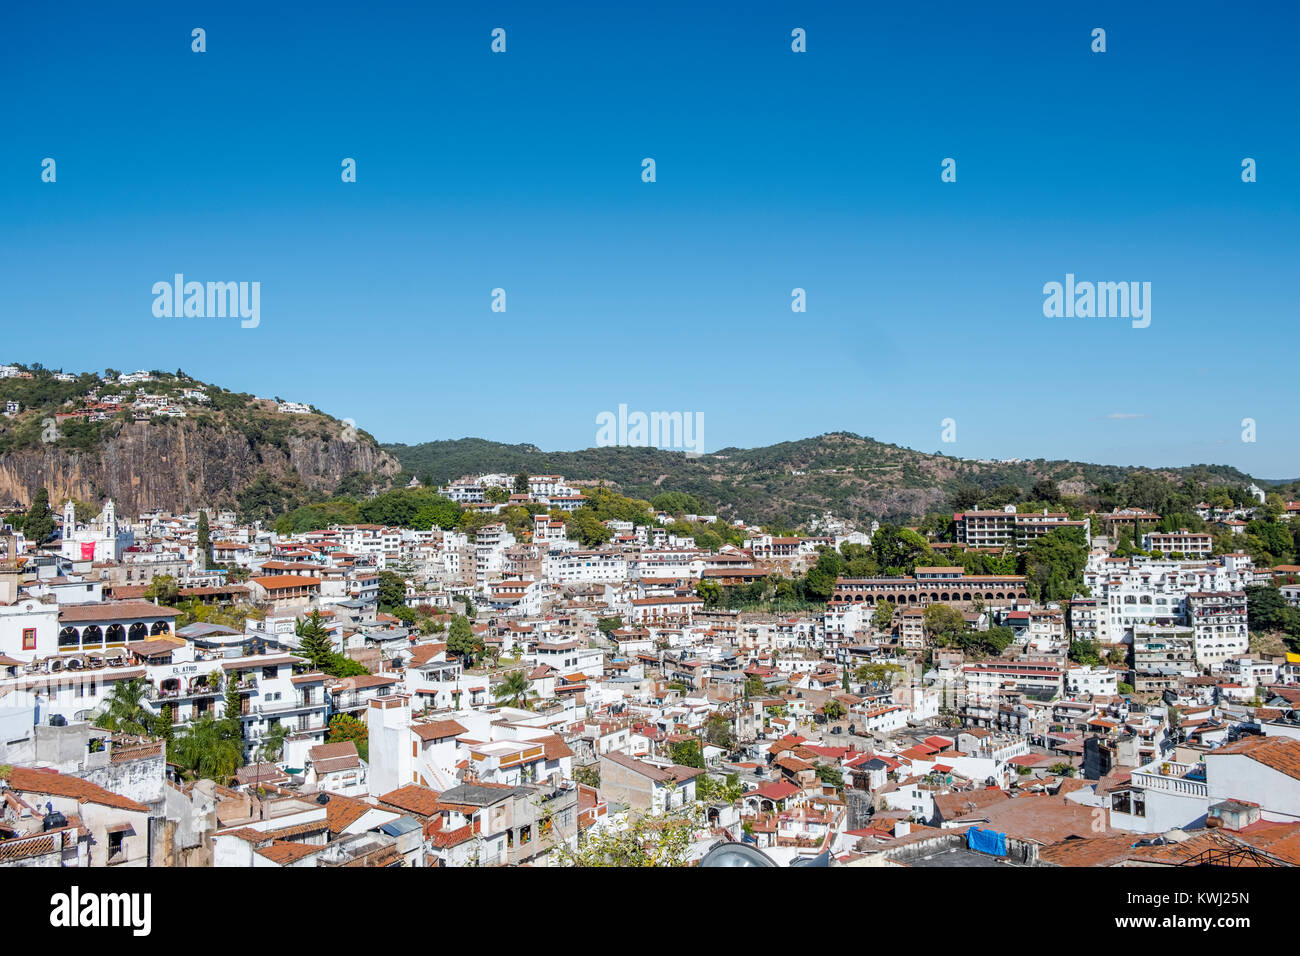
(54, 820)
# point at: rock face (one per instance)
(180, 466)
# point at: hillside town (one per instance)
(540, 685)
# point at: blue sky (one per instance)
(775, 170)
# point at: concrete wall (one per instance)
(621, 785)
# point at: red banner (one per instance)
(88, 551)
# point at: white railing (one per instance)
(1174, 781)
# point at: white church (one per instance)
(103, 539)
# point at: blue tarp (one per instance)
(986, 841)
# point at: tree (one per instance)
(162, 723)
(1045, 489)
(124, 711)
(204, 749)
(345, 727)
(834, 709)
(588, 776)
(711, 790)
(462, 641)
(1053, 565)
(965, 497)
(1085, 652)
(587, 528)
(392, 592)
(828, 773)
(944, 623)
(314, 642)
(994, 641)
(717, 731)
(521, 483)
(878, 675)
(687, 753)
(272, 748)
(204, 543)
(1061, 769)
(607, 624)
(38, 524)
(231, 724)
(496, 495)
(820, 580)
(898, 549)
(883, 617)
(514, 690)
(162, 589)
(645, 840)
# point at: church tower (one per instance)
(69, 519)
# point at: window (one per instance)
(29, 638)
(116, 846)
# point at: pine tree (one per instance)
(232, 727)
(38, 524)
(204, 542)
(314, 641)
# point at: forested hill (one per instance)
(850, 475)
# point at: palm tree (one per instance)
(204, 750)
(514, 690)
(272, 748)
(124, 711)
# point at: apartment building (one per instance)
(948, 585)
(1088, 680)
(586, 567)
(1187, 543)
(1161, 655)
(1087, 619)
(1007, 528)
(1219, 622)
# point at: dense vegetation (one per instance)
(854, 477)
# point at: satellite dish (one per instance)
(736, 854)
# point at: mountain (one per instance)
(850, 475)
(165, 440)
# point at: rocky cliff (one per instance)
(180, 465)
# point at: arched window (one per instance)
(159, 627)
(139, 631)
(69, 637)
(116, 634)
(92, 636)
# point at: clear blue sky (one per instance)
(775, 170)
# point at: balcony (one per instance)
(1183, 779)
